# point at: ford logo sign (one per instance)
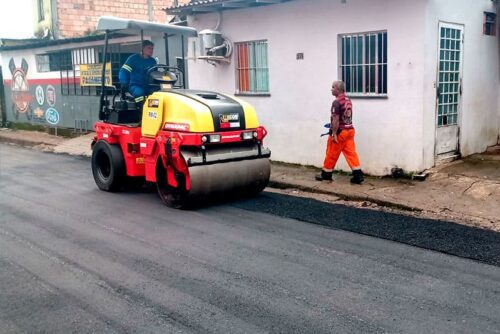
(52, 116)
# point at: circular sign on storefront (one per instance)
(40, 95)
(52, 116)
(51, 95)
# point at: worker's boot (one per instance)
(357, 176)
(324, 176)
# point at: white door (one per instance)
(449, 90)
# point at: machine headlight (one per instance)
(210, 139)
(214, 138)
(247, 135)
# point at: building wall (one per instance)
(389, 130)
(498, 47)
(479, 122)
(79, 17)
(36, 95)
(40, 94)
(25, 104)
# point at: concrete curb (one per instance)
(25, 142)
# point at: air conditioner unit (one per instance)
(214, 46)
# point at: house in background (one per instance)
(57, 83)
(74, 18)
(423, 74)
(40, 80)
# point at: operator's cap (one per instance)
(147, 42)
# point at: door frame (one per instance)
(438, 157)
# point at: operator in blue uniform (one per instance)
(133, 74)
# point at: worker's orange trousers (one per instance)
(345, 144)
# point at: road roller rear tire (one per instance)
(108, 166)
(170, 196)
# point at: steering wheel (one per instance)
(162, 74)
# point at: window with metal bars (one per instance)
(70, 68)
(53, 61)
(450, 48)
(490, 24)
(252, 71)
(363, 63)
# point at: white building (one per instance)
(396, 56)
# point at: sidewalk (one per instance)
(464, 190)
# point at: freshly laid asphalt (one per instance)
(466, 189)
(439, 235)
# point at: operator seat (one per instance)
(125, 110)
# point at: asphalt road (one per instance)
(76, 259)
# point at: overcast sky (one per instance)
(16, 18)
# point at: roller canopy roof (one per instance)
(132, 27)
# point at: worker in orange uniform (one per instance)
(341, 138)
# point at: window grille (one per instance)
(490, 26)
(70, 71)
(363, 63)
(42, 63)
(53, 61)
(449, 75)
(252, 71)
